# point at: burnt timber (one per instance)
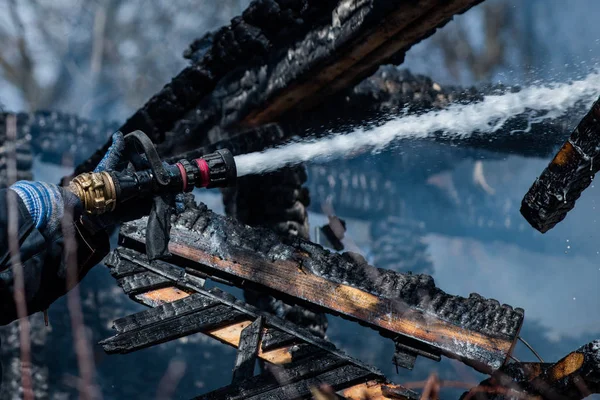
(297, 360)
(209, 131)
(573, 377)
(267, 61)
(477, 331)
(569, 173)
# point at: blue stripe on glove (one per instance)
(113, 155)
(46, 204)
(43, 201)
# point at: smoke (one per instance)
(541, 103)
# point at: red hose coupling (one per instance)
(204, 178)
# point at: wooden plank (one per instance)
(119, 267)
(184, 306)
(555, 191)
(210, 318)
(292, 271)
(142, 282)
(294, 372)
(245, 360)
(411, 26)
(336, 378)
(157, 297)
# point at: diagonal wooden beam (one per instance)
(407, 306)
(299, 363)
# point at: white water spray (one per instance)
(457, 121)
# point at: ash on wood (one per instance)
(478, 331)
(304, 360)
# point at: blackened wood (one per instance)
(210, 318)
(142, 282)
(274, 338)
(571, 171)
(276, 376)
(193, 303)
(123, 262)
(573, 377)
(273, 321)
(479, 331)
(137, 259)
(120, 267)
(337, 378)
(245, 360)
(278, 56)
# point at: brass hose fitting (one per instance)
(96, 190)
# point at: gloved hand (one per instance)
(42, 240)
(46, 202)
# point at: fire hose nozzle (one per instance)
(101, 192)
(148, 177)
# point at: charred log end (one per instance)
(570, 172)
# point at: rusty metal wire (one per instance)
(530, 348)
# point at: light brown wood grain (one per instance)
(482, 352)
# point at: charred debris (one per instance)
(293, 68)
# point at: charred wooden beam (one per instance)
(480, 332)
(278, 56)
(362, 36)
(286, 374)
(570, 172)
(576, 376)
(392, 91)
(275, 338)
(346, 375)
(189, 283)
(302, 362)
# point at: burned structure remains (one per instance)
(296, 68)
